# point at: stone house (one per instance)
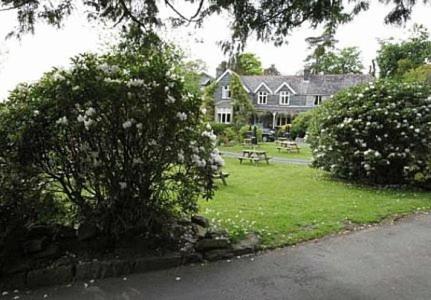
(278, 99)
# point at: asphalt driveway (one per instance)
(384, 262)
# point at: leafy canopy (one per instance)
(242, 106)
(270, 20)
(396, 59)
(344, 61)
(247, 64)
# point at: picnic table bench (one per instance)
(288, 146)
(221, 175)
(254, 156)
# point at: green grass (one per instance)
(271, 149)
(287, 204)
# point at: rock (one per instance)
(86, 231)
(218, 254)
(50, 276)
(192, 258)
(202, 221)
(65, 233)
(200, 231)
(35, 245)
(247, 245)
(217, 233)
(210, 244)
(121, 267)
(157, 263)
(51, 251)
(38, 231)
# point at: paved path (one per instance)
(387, 262)
(281, 160)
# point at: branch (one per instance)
(128, 12)
(192, 18)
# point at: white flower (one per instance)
(170, 99)
(62, 121)
(88, 123)
(123, 185)
(36, 113)
(90, 111)
(139, 126)
(75, 88)
(367, 167)
(127, 124)
(182, 116)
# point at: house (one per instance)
(205, 80)
(278, 99)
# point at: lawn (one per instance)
(271, 149)
(286, 204)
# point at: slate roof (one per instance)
(205, 79)
(316, 85)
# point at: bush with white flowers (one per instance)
(379, 133)
(119, 136)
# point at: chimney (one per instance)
(307, 74)
(219, 71)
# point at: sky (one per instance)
(26, 60)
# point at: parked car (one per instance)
(268, 135)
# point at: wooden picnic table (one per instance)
(254, 156)
(289, 146)
(281, 139)
(247, 141)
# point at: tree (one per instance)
(193, 71)
(269, 20)
(396, 59)
(247, 64)
(272, 70)
(242, 106)
(420, 74)
(344, 61)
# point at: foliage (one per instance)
(420, 74)
(290, 204)
(246, 130)
(300, 124)
(344, 61)
(247, 64)
(208, 101)
(119, 136)
(242, 106)
(193, 71)
(271, 71)
(378, 133)
(396, 59)
(268, 20)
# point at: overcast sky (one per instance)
(27, 59)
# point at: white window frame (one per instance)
(262, 97)
(224, 115)
(225, 92)
(284, 98)
(318, 99)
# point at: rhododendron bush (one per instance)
(118, 136)
(380, 133)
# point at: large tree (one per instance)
(269, 19)
(396, 59)
(343, 61)
(247, 64)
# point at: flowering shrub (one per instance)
(119, 136)
(380, 132)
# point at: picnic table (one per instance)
(254, 156)
(221, 175)
(289, 146)
(281, 139)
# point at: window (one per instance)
(262, 98)
(317, 100)
(225, 92)
(224, 115)
(284, 98)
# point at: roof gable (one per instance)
(264, 85)
(286, 85)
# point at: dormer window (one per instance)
(317, 100)
(284, 98)
(262, 97)
(225, 92)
